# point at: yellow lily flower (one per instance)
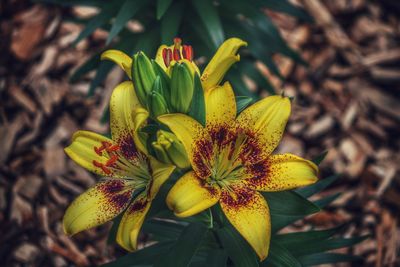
(232, 161)
(167, 56)
(127, 170)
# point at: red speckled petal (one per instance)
(282, 172)
(83, 151)
(191, 195)
(248, 212)
(97, 205)
(132, 221)
(266, 120)
(126, 115)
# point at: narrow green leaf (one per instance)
(310, 190)
(162, 6)
(102, 72)
(279, 256)
(236, 247)
(86, 67)
(326, 245)
(242, 102)
(327, 258)
(318, 159)
(145, 256)
(289, 203)
(170, 23)
(293, 240)
(112, 234)
(127, 11)
(211, 20)
(285, 6)
(162, 230)
(105, 15)
(197, 107)
(216, 258)
(182, 251)
(323, 202)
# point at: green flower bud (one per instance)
(143, 76)
(156, 103)
(165, 80)
(182, 87)
(170, 150)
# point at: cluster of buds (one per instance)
(165, 89)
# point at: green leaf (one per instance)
(289, 203)
(145, 256)
(285, 6)
(105, 15)
(318, 159)
(112, 234)
(216, 258)
(162, 230)
(310, 190)
(279, 256)
(325, 245)
(323, 202)
(102, 72)
(197, 107)
(86, 67)
(182, 251)
(236, 247)
(170, 23)
(242, 102)
(127, 11)
(210, 18)
(327, 258)
(162, 6)
(250, 70)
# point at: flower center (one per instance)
(177, 53)
(227, 157)
(132, 165)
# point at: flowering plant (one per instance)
(179, 132)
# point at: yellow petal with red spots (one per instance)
(248, 212)
(88, 150)
(223, 59)
(161, 172)
(283, 172)
(97, 205)
(119, 58)
(191, 195)
(220, 105)
(266, 120)
(132, 221)
(126, 115)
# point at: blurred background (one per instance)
(345, 78)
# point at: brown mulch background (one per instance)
(347, 102)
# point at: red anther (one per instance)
(187, 52)
(177, 42)
(167, 56)
(177, 54)
(99, 150)
(101, 166)
(112, 160)
(112, 148)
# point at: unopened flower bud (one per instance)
(156, 104)
(182, 87)
(170, 150)
(143, 76)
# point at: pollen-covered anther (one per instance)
(112, 160)
(187, 52)
(102, 167)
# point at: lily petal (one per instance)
(126, 115)
(119, 58)
(223, 59)
(97, 205)
(220, 105)
(83, 151)
(131, 222)
(266, 119)
(248, 212)
(283, 172)
(187, 129)
(161, 173)
(191, 195)
(159, 58)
